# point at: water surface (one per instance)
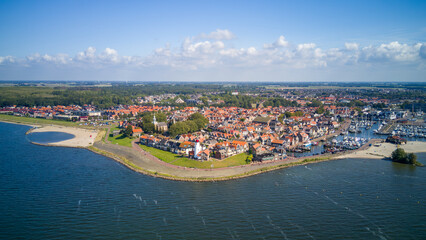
(66, 193)
(49, 137)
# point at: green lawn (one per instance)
(165, 156)
(178, 160)
(120, 140)
(113, 129)
(37, 121)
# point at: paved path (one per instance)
(148, 162)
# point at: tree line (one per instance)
(195, 123)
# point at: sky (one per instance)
(238, 41)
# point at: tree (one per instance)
(315, 103)
(199, 120)
(178, 128)
(148, 127)
(193, 127)
(128, 132)
(297, 114)
(204, 100)
(249, 159)
(399, 155)
(320, 110)
(148, 117)
(281, 117)
(412, 158)
(287, 114)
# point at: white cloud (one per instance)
(196, 53)
(110, 55)
(46, 58)
(281, 42)
(251, 51)
(87, 55)
(110, 52)
(196, 49)
(393, 51)
(219, 34)
(351, 46)
(305, 46)
(7, 59)
(422, 52)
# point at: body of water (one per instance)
(48, 137)
(67, 193)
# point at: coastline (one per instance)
(21, 123)
(92, 140)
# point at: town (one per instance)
(267, 124)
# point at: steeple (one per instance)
(154, 120)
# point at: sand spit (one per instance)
(384, 150)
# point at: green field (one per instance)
(178, 160)
(37, 121)
(120, 139)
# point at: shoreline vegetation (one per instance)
(139, 160)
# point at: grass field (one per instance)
(120, 139)
(178, 160)
(37, 121)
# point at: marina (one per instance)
(358, 134)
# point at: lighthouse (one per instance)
(197, 148)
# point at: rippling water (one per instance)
(65, 193)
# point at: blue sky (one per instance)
(213, 40)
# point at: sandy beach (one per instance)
(385, 150)
(83, 137)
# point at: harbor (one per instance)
(360, 132)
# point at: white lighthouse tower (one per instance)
(197, 149)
